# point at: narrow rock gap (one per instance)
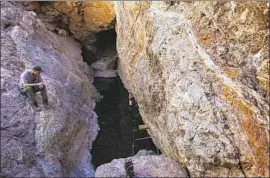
(118, 121)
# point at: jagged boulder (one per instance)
(106, 74)
(198, 71)
(105, 67)
(144, 165)
(80, 18)
(105, 63)
(53, 142)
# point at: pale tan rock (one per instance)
(106, 74)
(195, 69)
(105, 63)
(62, 32)
(50, 26)
(263, 75)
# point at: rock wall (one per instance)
(80, 18)
(145, 164)
(52, 142)
(199, 72)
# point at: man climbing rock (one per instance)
(31, 83)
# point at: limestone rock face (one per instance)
(199, 72)
(105, 67)
(53, 142)
(106, 74)
(104, 64)
(144, 165)
(81, 18)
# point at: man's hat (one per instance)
(37, 68)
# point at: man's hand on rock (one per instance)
(41, 85)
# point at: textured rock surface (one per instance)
(81, 18)
(106, 73)
(104, 64)
(52, 142)
(105, 67)
(199, 73)
(144, 165)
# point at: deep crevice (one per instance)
(103, 45)
(117, 120)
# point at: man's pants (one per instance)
(31, 93)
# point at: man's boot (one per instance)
(35, 104)
(45, 104)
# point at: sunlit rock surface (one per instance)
(199, 72)
(80, 18)
(52, 142)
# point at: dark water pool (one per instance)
(117, 121)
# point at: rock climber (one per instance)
(31, 83)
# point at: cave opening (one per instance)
(101, 45)
(118, 121)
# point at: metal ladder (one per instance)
(134, 140)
